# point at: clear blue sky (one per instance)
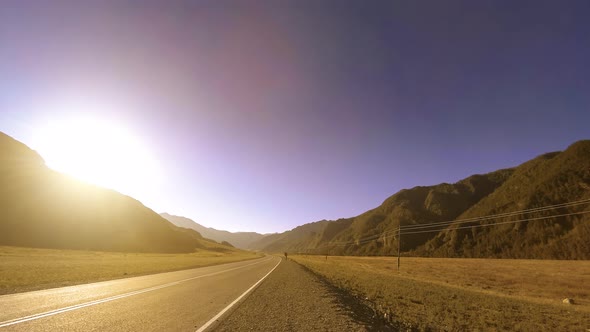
(270, 114)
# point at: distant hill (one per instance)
(43, 208)
(241, 240)
(550, 179)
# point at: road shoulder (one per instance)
(294, 299)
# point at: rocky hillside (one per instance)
(549, 179)
(43, 208)
(552, 178)
(241, 240)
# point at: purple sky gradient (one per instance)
(269, 114)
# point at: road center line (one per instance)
(212, 320)
(116, 297)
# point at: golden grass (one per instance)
(467, 294)
(27, 269)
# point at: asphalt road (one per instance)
(174, 301)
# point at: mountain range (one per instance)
(43, 208)
(242, 240)
(445, 220)
(499, 214)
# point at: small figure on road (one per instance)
(286, 256)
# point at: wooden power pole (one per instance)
(399, 243)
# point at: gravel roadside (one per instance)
(294, 299)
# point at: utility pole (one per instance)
(399, 243)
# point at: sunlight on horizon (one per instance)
(97, 151)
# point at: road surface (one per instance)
(175, 301)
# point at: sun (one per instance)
(97, 151)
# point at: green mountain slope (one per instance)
(552, 178)
(42, 208)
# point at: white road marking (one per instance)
(112, 298)
(204, 327)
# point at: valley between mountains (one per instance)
(454, 240)
(555, 179)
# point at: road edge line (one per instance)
(224, 310)
(113, 298)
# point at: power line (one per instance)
(459, 221)
(476, 226)
(494, 216)
(390, 234)
(501, 223)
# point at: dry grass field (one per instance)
(466, 294)
(27, 269)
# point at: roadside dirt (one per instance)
(294, 299)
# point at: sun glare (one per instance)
(97, 152)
